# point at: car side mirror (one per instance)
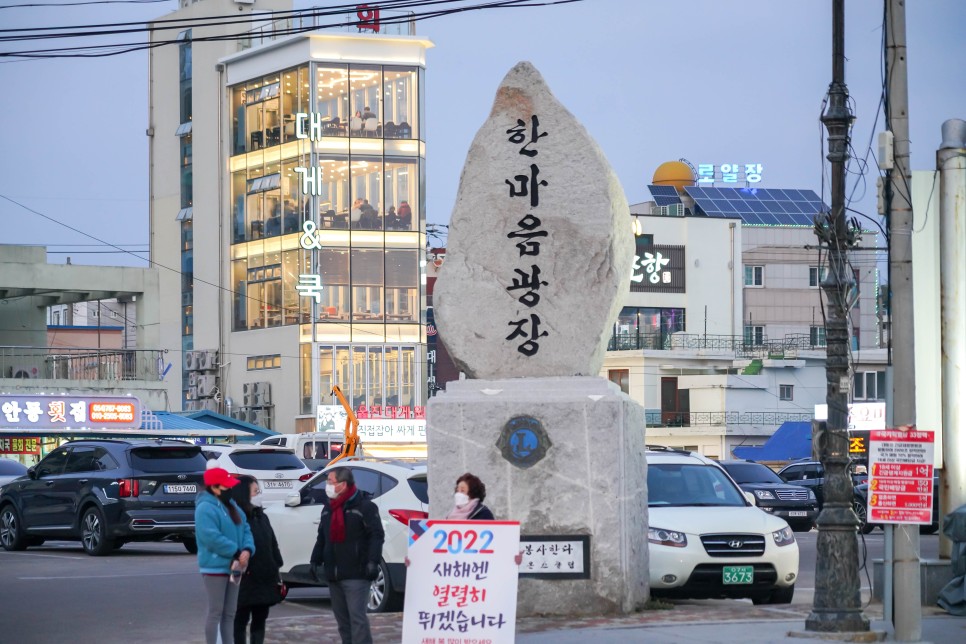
(32, 472)
(293, 500)
(751, 498)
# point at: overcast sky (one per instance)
(709, 80)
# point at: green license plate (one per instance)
(731, 575)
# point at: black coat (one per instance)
(364, 537)
(481, 513)
(260, 581)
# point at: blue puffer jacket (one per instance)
(219, 538)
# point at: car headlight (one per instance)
(811, 495)
(764, 494)
(664, 537)
(783, 537)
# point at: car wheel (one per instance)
(859, 508)
(190, 544)
(11, 533)
(782, 595)
(94, 534)
(382, 597)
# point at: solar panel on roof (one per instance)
(665, 195)
(769, 206)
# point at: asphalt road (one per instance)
(153, 592)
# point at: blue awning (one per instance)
(791, 441)
(227, 422)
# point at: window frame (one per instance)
(757, 276)
(786, 393)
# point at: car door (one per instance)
(815, 480)
(72, 484)
(38, 495)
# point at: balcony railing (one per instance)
(784, 348)
(60, 363)
(655, 418)
(397, 23)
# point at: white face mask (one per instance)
(460, 499)
(257, 500)
(330, 491)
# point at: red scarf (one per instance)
(337, 523)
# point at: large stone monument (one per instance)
(539, 252)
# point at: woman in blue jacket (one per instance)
(225, 545)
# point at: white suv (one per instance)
(400, 492)
(278, 470)
(707, 540)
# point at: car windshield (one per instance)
(267, 460)
(674, 484)
(752, 473)
(168, 459)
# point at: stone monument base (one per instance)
(591, 481)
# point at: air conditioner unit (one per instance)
(248, 391)
(190, 360)
(192, 393)
(192, 378)
(206, 385)
(258, 417)
(209, 404)
(240, 413)
(25, 371)
(193, 405)
(263, 393)
(207, 360)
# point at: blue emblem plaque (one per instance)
(523, 441)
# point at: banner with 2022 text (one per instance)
(461, 584)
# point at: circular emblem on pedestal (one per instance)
(523, 441)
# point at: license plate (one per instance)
(797, 513)
(731, 575)
(277, 484)
(181, 489)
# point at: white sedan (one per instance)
(278, 470)
(706, 539)
(400, 492)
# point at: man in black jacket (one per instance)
(347, 553)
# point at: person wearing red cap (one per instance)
(225, 545)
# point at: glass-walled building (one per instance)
(325, 219)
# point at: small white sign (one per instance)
(862, 416)
(461, 585)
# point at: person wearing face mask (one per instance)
(347, 553)
(468, 500)
(259, 585)
(225, 546)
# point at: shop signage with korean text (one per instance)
(404, 428)
(461, 585)
(901, 476)
(19, 445)
(61, 412)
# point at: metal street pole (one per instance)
(907, 594)
(837, 606)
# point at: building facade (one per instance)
(301, 244)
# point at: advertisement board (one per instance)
(900, 476)
(43, 411)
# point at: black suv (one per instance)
(793, 503)
(105, 493)
(811, 474)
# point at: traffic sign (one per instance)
(901, 469)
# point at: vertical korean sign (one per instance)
(900, 484)
(461, 586)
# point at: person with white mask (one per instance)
(347, 553)
(468, 500)
(260, 584)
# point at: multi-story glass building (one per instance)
(308, 226)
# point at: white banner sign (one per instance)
(461, 586)
(373, 430)
(862, 416)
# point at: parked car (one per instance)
(811, 474)
(315, 449)
(105, 493)
(399, 490)
(11, 469)
(795, 504)
(278, 470)
(707, 539)
(860, 500)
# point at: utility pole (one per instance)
(837, 606)
(907, 599)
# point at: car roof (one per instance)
(134, 442)
(662, 454)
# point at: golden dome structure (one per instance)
(674, 173)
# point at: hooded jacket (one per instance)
(219, 539)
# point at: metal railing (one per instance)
(62, 363)
(784, 348)
(396, 23)
(655, 418)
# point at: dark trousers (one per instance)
(258, 613)
(349, 600)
